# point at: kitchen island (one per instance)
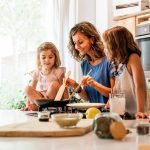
(88, 141)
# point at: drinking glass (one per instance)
(117, 103)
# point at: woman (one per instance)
(86, 46)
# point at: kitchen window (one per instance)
(23, 26)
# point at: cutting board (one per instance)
(44, 129)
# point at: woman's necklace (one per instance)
(95, 61)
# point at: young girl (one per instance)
(123, 52)
(48, 77)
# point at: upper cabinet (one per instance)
(131, 13)
(129, 23)
(127, 7)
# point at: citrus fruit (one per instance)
(118, 130)
(92, 112)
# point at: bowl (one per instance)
(66, 120)
(130, 123)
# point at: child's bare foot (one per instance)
(31, 107)
(24, 108)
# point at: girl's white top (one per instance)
(124, 83)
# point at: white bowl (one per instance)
(67, 119)
(130, 123)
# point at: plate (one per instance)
(85, 105)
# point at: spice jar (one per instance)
(143, 129)
(43, 116)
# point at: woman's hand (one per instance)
(84, 81)
(88, 80)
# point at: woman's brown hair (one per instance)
(88, 30)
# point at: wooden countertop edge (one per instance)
(131, 15)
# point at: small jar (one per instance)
(143, 129)
(43, 116)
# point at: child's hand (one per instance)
(141, 115)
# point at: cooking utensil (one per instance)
(85, 105)
(36, 128)
(44, 103)
(77, 88)
(62, 88)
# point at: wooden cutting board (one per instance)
(44, 129)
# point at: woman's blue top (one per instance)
(100, 73)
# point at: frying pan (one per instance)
(43, 103)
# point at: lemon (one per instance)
(92, 112)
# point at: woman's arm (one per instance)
(72, 83)
(88, 80)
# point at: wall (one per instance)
(104, 15)
(98, 12)
(86, 11)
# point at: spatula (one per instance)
(62, 88)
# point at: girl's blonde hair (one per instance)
(88, 30)
(120, 44)
(48, 46)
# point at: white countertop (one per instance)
(86, 142)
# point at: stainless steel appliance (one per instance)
(143, 39)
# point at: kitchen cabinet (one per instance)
(133, 20)
(129, 23)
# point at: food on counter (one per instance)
(128, 116)
(118, 130)
(92, 112)
(102, 122)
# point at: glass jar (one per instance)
(102, 124)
